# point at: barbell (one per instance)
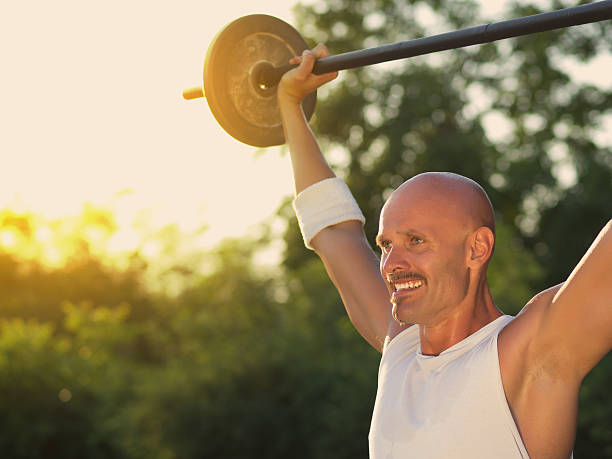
(248, 57)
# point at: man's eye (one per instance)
(385, 245)
(416, 240)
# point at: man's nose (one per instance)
(394, 260)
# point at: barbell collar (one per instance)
(193, 93)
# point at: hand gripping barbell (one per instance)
(247, 58)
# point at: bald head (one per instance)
(455, 195)
(437, 228)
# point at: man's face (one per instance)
(423, 256)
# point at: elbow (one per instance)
(334, 236)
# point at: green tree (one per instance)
(263, 361)
(33, 289)
(57, 392)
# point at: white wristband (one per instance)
(323, 204)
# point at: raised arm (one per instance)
(342, 246)
(564, 331)
(553, 343)
(578, 320)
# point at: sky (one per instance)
(91, 111)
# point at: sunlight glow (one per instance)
(124, 240)
(109, 126)
(8, 238)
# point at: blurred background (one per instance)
(156, 300)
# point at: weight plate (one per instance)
(248, 113)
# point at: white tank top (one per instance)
(447, 406)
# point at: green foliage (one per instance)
(513, 271)
(248, 362)
(34, 289)
(594, 438)
(50, 399)
(274, 366)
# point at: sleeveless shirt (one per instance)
(448, 406)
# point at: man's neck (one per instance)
(476, 311)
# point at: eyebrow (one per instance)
(412, 232)
(407, 233)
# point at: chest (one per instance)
(452, 405)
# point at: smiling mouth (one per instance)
(409, 285)
(401, 282)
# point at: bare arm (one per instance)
(553, 343)
(343, 248)
(309, 165)
(578, 320)
(574, 326)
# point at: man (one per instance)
(465, 380)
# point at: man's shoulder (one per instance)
(528, 320)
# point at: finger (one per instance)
(320, 51)
(308, 60)
(326, 77)
(295, 60)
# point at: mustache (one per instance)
(394, 277)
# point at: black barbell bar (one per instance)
(269, 76)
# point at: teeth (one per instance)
(406, 285)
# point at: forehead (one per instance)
(420, 211)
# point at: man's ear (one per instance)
(481, 247)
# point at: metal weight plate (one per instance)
(247, 112)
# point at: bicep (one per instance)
(353, 267)
(577, 323)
